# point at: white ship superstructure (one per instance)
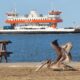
(33, 20)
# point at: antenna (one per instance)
(74, 24)
(52, 5)
(13, 7)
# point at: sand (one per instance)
(26, 71)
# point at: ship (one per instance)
(35, 23)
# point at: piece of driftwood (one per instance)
(63, 57)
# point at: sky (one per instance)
(70, 9)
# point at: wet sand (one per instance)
(26, 71)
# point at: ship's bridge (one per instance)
(33, 14)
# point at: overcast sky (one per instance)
(70, 9)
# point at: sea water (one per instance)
(36, 47)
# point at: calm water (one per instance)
(36, 47)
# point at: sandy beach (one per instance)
(26, 71)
